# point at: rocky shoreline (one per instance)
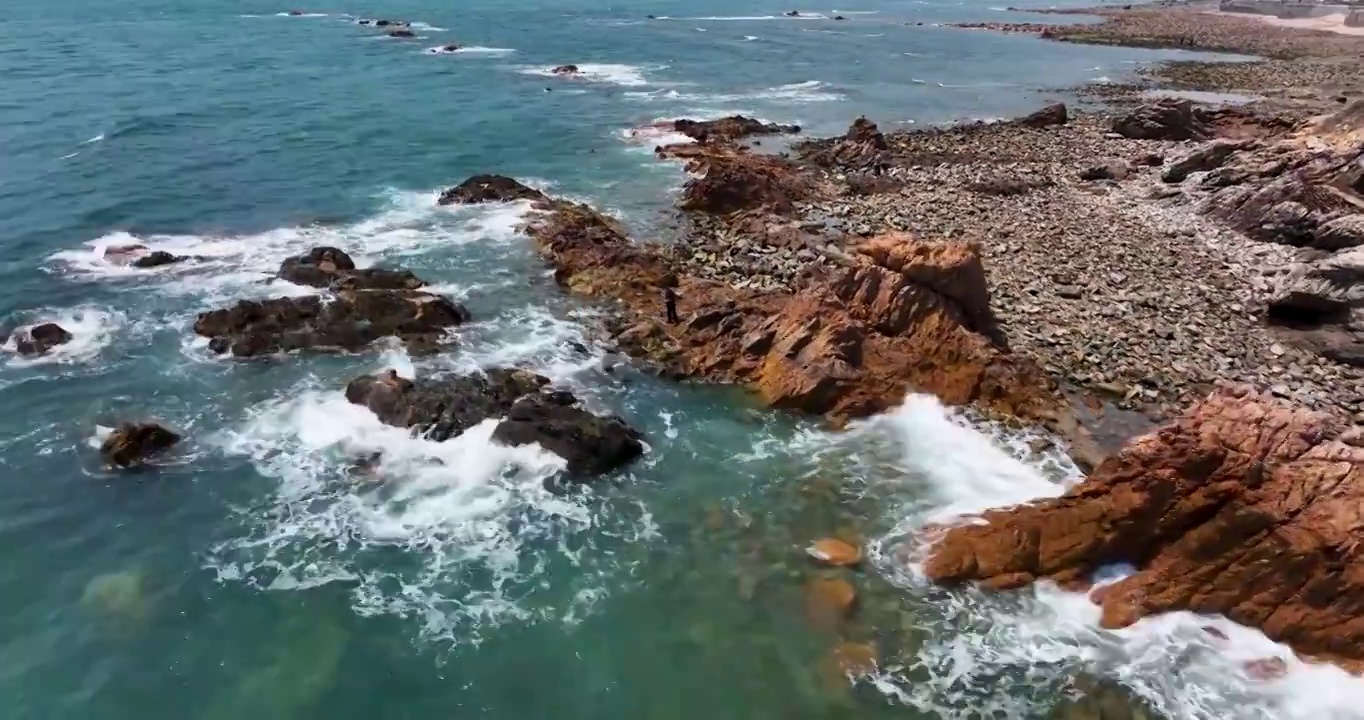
(1143, 256)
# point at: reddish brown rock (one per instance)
(862, 146)
(1244, 507)
(829, 602)
(732, 178)
(1053, 114)
(835, 552)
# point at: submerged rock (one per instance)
(444, 408)
(1244, 506)
(401, 33)
(489, 188)
(133, 443)
(565, 70)
(835, 552)
(351, 321)
(40, 338)
(117, 596)
(829, 602)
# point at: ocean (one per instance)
(253, 577)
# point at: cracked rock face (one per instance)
(1244, 506)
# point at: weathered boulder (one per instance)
(444, 408)
(349, 322)
(861, 147)
(40, 338)
(1341, 233)
(1164, 119)
(489, 188)
(1052, 114)
(328, 267)
(729, 129)
(1244, 506)
(133, 443)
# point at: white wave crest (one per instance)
(609, 73)
(470, 50)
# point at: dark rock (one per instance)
(350, 322)
(1165, 119)
(592, 445)
(333, 268)
(839, 17)
(792, 13)
(1149, 159)
(449, 48)
(1053, 114)
(401, 33)
(40, 338)
(1112, 170)
(729, 129)
(444, 408)
(566, 70)
(489, 188)
(157, 259)
(1070, 292)
(131, 444)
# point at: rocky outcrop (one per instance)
(1165, 119)
(157, 258)
(730, 179)
(141, 256)
(349, 322)
(328, 267)
(1208, 157)
(445, 408)
(863, 146)
(489, 188)
(40, 338)
(729, 129)
(903, 315)
(1244, 507)
(134, 443)
(566, 70)
(1053, 114)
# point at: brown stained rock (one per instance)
(829, 602)
(133, 443)
(862, 146)
(835, 553)
(489, 188)
(1244, 506)
(730, 179)
(40, 338)
(1053, 114)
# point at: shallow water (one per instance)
(253, 577)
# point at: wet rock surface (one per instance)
(489, 188)
(134, 443)
(729, 129)
(1244, 506)
(39, 339)
(444, 408)
(364, 306)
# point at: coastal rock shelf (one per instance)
(1244, 506)
(367, 305)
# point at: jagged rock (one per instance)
(566, 70)
(1325, 290)
(729, 129)
(445, 408)
(40, 338)
(1244, 506)
(733, 179)
(1344, 232)
(1053, 114)
(131, 444)
(862, 146)
(489, 188)
(1165, 119)
(592, 445)
(330, 267)
(1208, 157)
(349, 322)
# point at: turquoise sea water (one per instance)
(253, 578)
